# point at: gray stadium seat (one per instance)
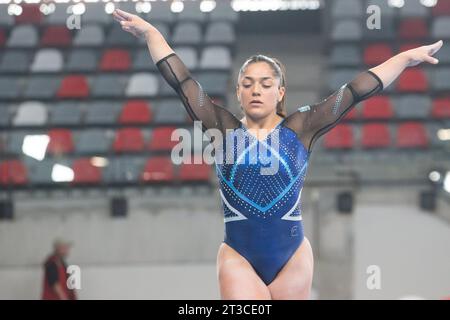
(413, 8)
(347, 9)
(188, 55)
(117, 37)
(4, 114)
(214, 83)
(40, 172)
(14, 142)
(337, 78)
(5, 18)
(441, 78)
(89, 35)
(433, 131)
(30, 113)
(15, 61)
(65, 113)
(59, 16)
(187, 33)
(142, 84)
(123, 169)
(42, 87)
(24, 36)
(47, 60)
(223, 12)
(95, 13)
(191, 12)
(169, 111)
(142, 61)
(347, 30)
(346, 55)
(412, 106)
(441, 28)
(107, 85)
(216, 58)
(80, 60)
(10, 87)
(102, 112)
(92, 141)
(160, 11)
(220, 32)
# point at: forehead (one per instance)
(258, 70)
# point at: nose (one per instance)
(256, 90)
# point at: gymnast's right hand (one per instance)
(132, 23)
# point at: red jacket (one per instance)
(55, 269)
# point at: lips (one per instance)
(256, 101)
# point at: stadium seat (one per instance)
(378, 107)
(340, 137)
(30, 14)
(375, 135)
(115, 60)
(65, 113)
(220, 33)
(187, 33)
(377, 53)
(90, 35)
(216, 57)
(195, 172)
(161, 139)
(85, 172)
(13, 172)
(92, 141)
(56, 36)
(345, 55)
(82, 60)
(47, 60)
(413, 28)
(412, 80)
(102, 112)
(158, 169)
(142, 84)
(23, 36)
(13, 61)
(61, 141)
(441, 108)
(412, 135)
(30, 113)
(129, 140)
(74, 86)
(136, 111)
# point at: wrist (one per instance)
(405, 57)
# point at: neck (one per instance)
(267, 123)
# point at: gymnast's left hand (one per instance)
(423, 54)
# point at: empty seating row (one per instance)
(411, 80)
(96, 12)
(97, 141)
(375, 53)
(184, 33)
(411, 8)
(414, 28)
(89, 60)
(85, 171)
(408, 135)
(102, 85)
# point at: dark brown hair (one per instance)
(279, 71)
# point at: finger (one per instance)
(435, 47)
(118, 18)
(124, 14)
(431, 60)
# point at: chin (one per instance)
(257, 113)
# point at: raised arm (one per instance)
(311, 122)
(197, 103)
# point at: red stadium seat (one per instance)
(352, 115)
(30, 14)
(161, 139)
(412, 135)
(85, 172)
(375, 135)
(413, 80)
(340, 137)
(115, 60)
(378, 107)
(2, 37)
(413, 28)
(13, 172)
(136, 111)
(74, 86)
(377, 53)
(129, 140)
(442, 8)
(158, 169)
(56, 36)
(441, 108)
(195, 172)
(60, 141)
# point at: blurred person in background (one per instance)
(55, 285)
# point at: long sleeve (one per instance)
(311, 122)
(197, 103)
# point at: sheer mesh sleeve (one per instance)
(197, 103)
(311, 122)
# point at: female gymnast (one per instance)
(264, 254)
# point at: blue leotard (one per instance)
(261, 180)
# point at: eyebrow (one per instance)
(262, 78)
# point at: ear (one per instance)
(237, 93)
(281, 93)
